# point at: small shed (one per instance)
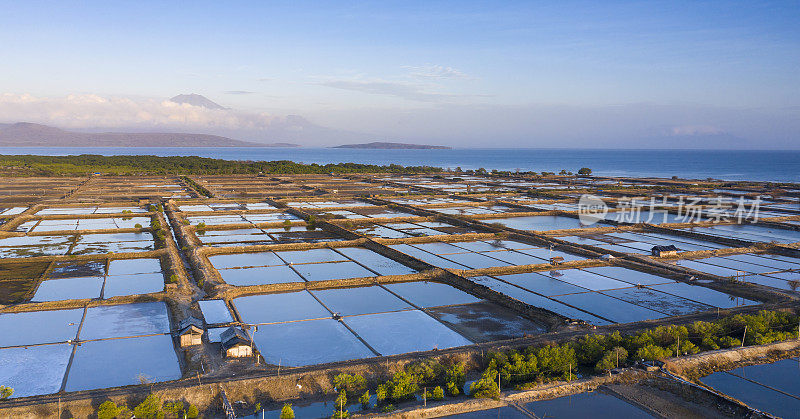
(190, 331)
(661, 251)
(557, 260)
(235, 343)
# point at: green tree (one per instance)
(192, 412)
(149, 408)
(585, 171)
(108, 410)
(339, 407)
(364, 400)
(174, 408)
(351, 384)
(652, 353)
(486, 387)
(455, 378)
(436, 394)
(287, 412)
(5, 392)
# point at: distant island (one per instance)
(394, 146)
(25, 134)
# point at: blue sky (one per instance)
(533, 73)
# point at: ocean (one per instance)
(776, 166)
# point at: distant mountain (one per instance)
(197, 100)
(25, 134)
(394, 146)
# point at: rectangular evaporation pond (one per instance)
(439, 248)
(782, 375)
(264, 275)
(34, 370)
(595, 405)
(542, 284)
(427, 257)
(630, 276)
(134, 266)
(34, 327)
(609, 308)
(586, 280)
(775, 264)
(404, 331)
(546, 254)
(123, 320)
(515, 258)
(431, 294)
(737, 265)
(311, 342)
(362, 300)
(475, 260)
(659, 301)
(382, 232)
(755, 395)
(133, 284)
(536, 300)
(102, 238)
(707, 268)
(334, 270)
(311, 256)
(276, 308)
(539, 222)
(378, 263)
(703, 295)
(120, 362)
(69, 288)
(215, 311)
(240, 260)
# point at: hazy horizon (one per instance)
(611, 75)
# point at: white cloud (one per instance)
(89, 110)
(436, 72)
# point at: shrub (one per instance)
(192, 412)
(137, 225)
(174, 408)
(149, 408)
(486, 387)
(455, 379)
(436, 394)
(351, 384)
(5, 392)
(364, 400)
(108, 410)
(287, 412)
(388, 408)
(652, 353)
(584, 171)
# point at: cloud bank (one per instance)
(89, 110)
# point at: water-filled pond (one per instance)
(34, 370)
(593, 404)
(35, 327)
(361, 300)
(308, 343)
(404, 331)
(119, 362)
(124, 320)
(772, 388)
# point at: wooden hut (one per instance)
(190, 331)
(235, 343)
